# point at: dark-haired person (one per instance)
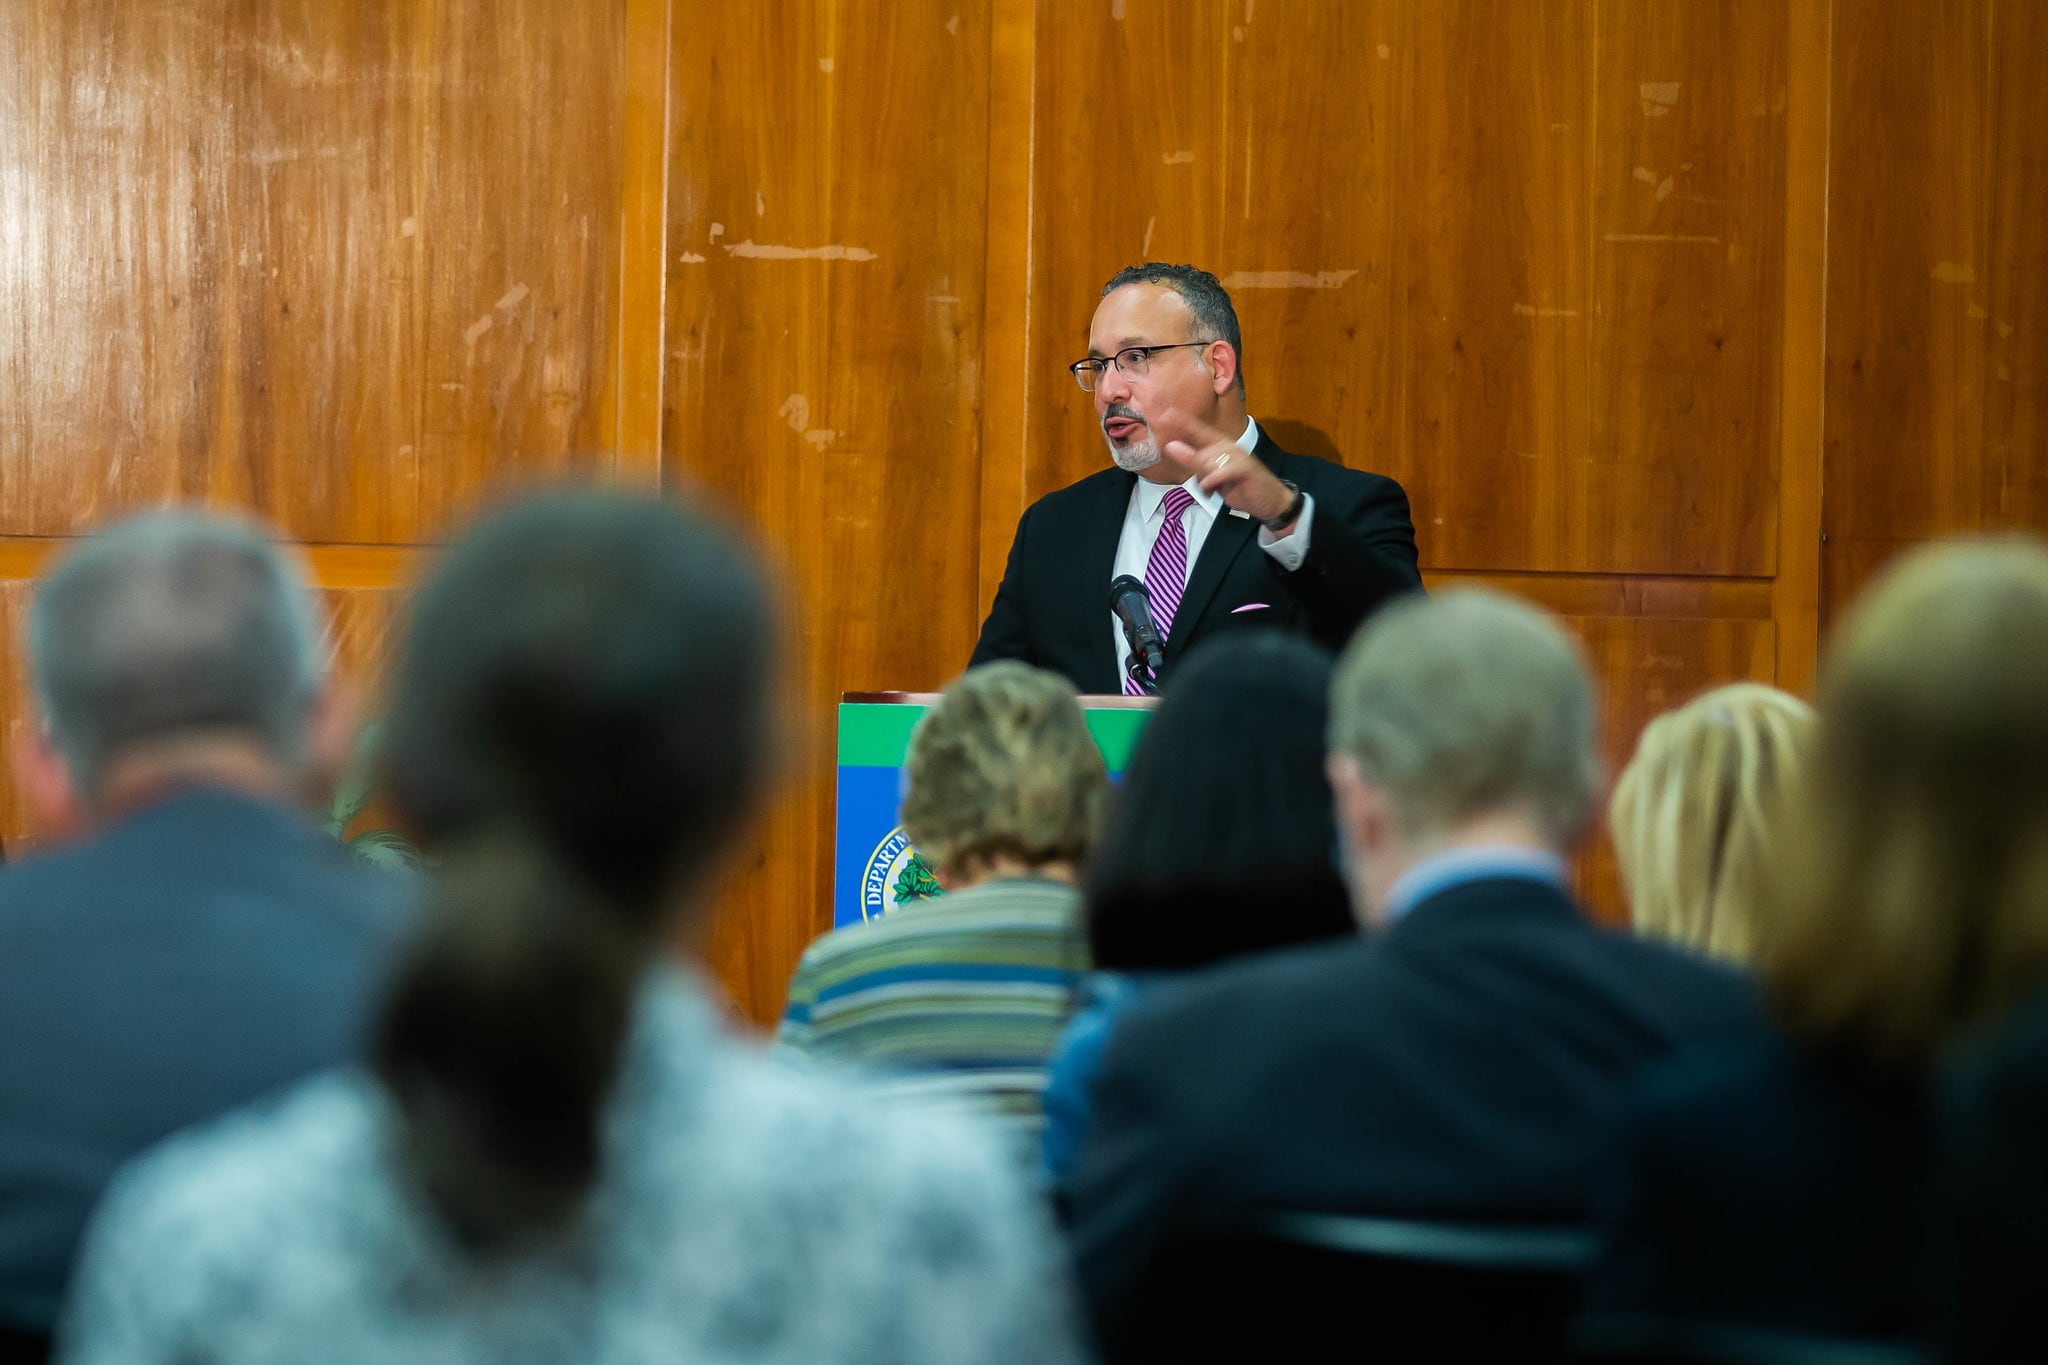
(1779, 1186)
(1225, 529)
(557, 1154)
(1221, 843)
(964, 995)
(193, 939)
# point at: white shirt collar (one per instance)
(1151, 495)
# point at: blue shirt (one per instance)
(1481, 862)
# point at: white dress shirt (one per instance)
(1144, 519)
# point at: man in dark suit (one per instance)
(196, 940)
(1224, 528)
(1468, 1059)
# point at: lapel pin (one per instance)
(1235, 512)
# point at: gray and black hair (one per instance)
(1203, 293)
(1467, 704)
(168, 624)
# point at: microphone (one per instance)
(1133, 607)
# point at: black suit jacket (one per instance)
(1761, 1188)
(1052, 609)
(1469, 1063)
(202, 952)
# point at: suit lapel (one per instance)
(1094, 564)
(1220, 548)
(1227, 540)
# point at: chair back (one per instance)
(1634, 1340)
(1332, 1286)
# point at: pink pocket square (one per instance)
(1251, 606)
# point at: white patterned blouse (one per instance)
(746, 1212)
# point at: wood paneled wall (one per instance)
(1676, 317)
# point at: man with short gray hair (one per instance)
(193, 939)
(1466, 1060)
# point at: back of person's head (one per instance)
(1465, 705)
(171, 627)
(578, 726)
(1913, 899)
(1002, 770)
(1220, 840)
(1697, 813)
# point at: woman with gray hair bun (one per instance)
(966, 994)
(557, 1153)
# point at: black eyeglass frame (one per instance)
(1088, 373)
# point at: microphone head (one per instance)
(1122, 586)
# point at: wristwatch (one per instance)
(1286, 518)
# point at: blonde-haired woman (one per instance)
(1696, 813)
(1778, 1185)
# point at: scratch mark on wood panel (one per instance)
(1145, 250)
(1658, 97)
(762, 251)
(1178, 158)
(1660, 237)
(717, 231)
(796, 410)
(1116, 9)
(825, 65)
(1530, 310)
(953, 26)
(474, 332)
(760, 204)
(513, 296)
(2004, 329)
(691, 258)
(1287, 279)
(409, 227)
(1247, 207)
(1385, 52)
(1975, 312)
(1954, 272)
(822, 437)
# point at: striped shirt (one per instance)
(961, 997)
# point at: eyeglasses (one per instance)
(1131, 360)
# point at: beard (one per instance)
(1136, 455)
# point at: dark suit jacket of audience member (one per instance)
(1468, 1063)
(1989, 1256)
(1052, 609)
(1762, 1188)
(201, 952)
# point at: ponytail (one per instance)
(501, 1038)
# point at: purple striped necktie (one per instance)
(1166, 572)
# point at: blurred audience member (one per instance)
(1696, 813)
(1990, 1256)
(964, 994)
(1465, 1061)
(1220, 843)
(1778, 1185)
(195, 938)
(558, 1154)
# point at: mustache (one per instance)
(1123, 410)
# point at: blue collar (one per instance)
(1482, 862)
